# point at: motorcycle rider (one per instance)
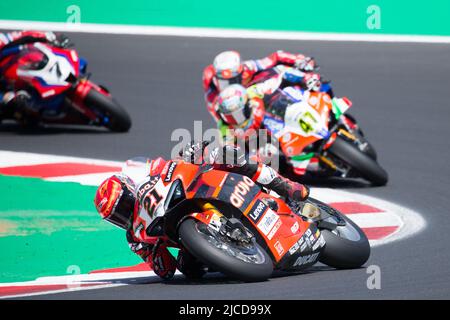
(242, 110)
(227, 68)
(12, 44)
(119, 200)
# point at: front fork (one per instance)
(208, 215)
(231, 228)
(78, 96)
(330, 162)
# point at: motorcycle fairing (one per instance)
(51, 78)
(306, 122)
(279, 230)
(305, 252)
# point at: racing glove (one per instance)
(291, 190)
(61, 41)
(305, 64)
(164, 264)
(312, 81)
(193, 152)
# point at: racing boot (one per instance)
(293, 192)
(20, 105)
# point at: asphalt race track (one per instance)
(400, 94)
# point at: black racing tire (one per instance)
(213, 257)
(370, 151)
(342, 253)
(367, 167)
(119, 120)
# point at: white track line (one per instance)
(376, 220)
(73, 282)
(13, 158)
(93, 179)
(103, 286)
(412, 221)
(217, 33)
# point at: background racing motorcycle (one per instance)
(233, 226)
(315, 138)
(58, 83)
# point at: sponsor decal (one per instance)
(312, 239)
(311, 258)
(237, 197)
(274, 230)
(170, 172)
(295, 227)
(279, 248)
(319, 243)
(148, 195)
(286, 137)
(303, 247)
(145, 187)
(317, 234)
(301, 242)
(274, 125)
(101, 204)
(267, 222)
(258, 209)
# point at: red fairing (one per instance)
(157, 166)
(45, 90)
(79, 94)
(32, 53)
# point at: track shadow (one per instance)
(330, 182)
(213, 278)
(334, 182)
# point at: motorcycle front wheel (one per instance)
(243, 262)
(367, 167)
(115, 117)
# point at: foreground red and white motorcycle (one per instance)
(233, 226)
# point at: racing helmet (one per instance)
(228, 68)
(232, 105)
(115, 200)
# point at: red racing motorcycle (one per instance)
(57, 81)
(234, 226)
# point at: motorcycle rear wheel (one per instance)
(249, 264)
(345, 253)
(346, 246)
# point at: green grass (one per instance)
(46, 227)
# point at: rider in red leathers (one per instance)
(11, 44)
(228, 69)
(120, 200)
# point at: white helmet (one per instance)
(228, 68)
(233, 107)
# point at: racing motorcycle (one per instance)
(316, 137)
(315, 134)
(59, 85)
(233, 226)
